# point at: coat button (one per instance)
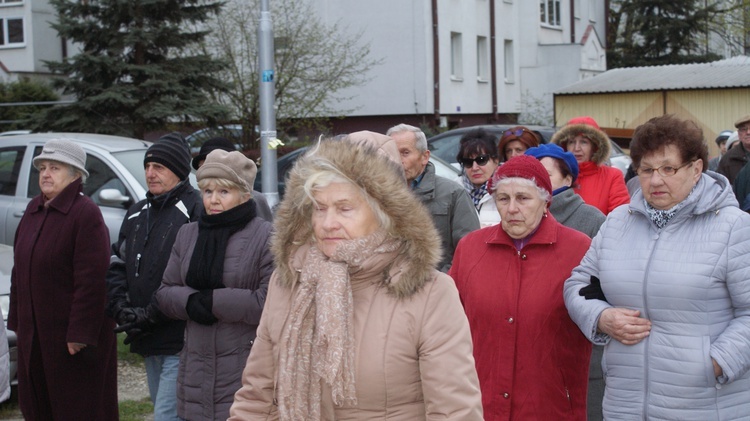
(506, 395)
(510, 320)
(523, 257)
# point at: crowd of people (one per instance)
(535, 286)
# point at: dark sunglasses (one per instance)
(481, 160)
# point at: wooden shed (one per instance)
(713, 95)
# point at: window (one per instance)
(483, 60)
(12, 31)
(509, 62)
(10, 167)
(550, 12)
(457, 72)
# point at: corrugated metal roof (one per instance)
(730, 73)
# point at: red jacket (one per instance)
(602, 186)
(532, 360)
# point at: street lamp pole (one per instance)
(268, 141)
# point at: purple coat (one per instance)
(57, 296)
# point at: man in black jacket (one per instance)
(138, 260)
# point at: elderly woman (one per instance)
(666, 287)
(67, 366)
(567, 206)
(531, 359)
(358, 323)
(478, 158)
(515, 141)
(599, 185)
(216, 280)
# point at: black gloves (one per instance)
(136, 321)
(199, 307)
(593, 291)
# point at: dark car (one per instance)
(445, 145)
(285, 163)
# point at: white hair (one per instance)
(421, 142)
(526, 182)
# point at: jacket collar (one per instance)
(426, 187)
(64, 201)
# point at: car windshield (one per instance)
(133, 161)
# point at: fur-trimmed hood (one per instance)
(383, 180)
(598, 137)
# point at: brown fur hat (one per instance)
(587, 127)
(381, 179)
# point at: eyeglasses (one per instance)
(481, 160)
(664, 170)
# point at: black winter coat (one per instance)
(140, 256)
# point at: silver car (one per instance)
(116, 181)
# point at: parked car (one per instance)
(445, 145)
(285, 163)
(232, 132)
(116, 177)
(6, 265)
(116, 181)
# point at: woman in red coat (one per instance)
(67, 363)
(531, 360)
(599, 184)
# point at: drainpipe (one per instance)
(572, 22)
(435, 62)
(493, 64)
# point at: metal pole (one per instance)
(268, 141)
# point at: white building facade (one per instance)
(462, 62)
(444, 62)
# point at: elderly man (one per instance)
(736, 158)
(449, 204)
(138, 260)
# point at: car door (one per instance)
(11, 208)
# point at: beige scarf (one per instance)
(319, 334)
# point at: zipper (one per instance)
(644, 315)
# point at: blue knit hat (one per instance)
(171, 150)
(555, 151)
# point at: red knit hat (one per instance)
(589, 121)
(523, 166)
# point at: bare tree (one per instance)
(314, 62)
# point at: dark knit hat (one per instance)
(523, 166)
(212, 144)
(555, 151)
(171, 150)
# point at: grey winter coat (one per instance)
(569, 209)
(451, 208)
(692, 280)
(212, 360)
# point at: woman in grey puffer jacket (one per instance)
(666, 286)
(217, 279)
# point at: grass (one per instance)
(135, 410)
(124, 354)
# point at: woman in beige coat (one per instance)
(357, 324)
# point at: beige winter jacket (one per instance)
(413, 349)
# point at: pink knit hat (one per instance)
(589, 121)
(523, 166)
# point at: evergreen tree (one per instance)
(658, 32)
(132, 74)
(19, 117)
